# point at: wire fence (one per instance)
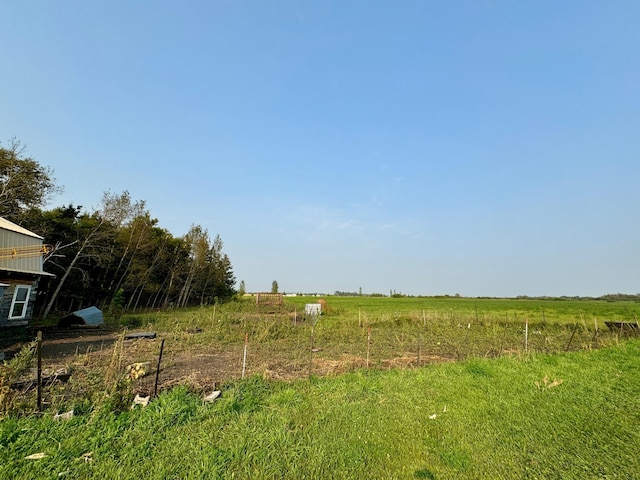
(208, 350)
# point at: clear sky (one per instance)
(429, 147)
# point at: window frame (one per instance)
(25, 302)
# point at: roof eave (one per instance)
(29, 272)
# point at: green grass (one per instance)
(498, 412)
(569, 415)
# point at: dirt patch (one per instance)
(188, 360)
(61, 349)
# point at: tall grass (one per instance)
(204, 346)
(404, 331)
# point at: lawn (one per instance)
(566, 415)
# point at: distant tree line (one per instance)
(115, 256)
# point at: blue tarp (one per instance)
(91, 316)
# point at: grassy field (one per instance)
(486, 309)
(381, 332)
(396, 388)
(568, 415)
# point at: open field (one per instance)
(568, 415)
(374, 332)
(374, 388)
(206, 346)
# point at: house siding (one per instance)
(7, 298)
(15, 239)
(18, 271)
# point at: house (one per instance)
(20, 272)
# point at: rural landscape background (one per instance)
(452, 185)
(479, 148)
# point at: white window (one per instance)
(19, 303)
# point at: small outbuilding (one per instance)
(21, 268)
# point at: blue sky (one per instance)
(427, 147)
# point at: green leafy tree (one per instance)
(242, 289)
(117, 256)
(274, 287)
(117, 305)
(24, 183)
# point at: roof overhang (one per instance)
(27, 272)
(12, 227)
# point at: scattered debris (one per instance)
(212, 396)
(63, 416)
(36, 456)
(87, 457)
(142, 401)
(194, 330)
(315, 350)
(629, 326)
(58, 375)
(546, 385)
(89, 317)
(435, 415)
(136, 335)
(138, 370)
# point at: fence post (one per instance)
(155, 388)
(244, 355)
(39, 372)
(575, 327)
(595, 332)
(368, 343)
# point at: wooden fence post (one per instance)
(575, 327)
(595, 332)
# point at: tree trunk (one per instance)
(52, 300)
(69, 268)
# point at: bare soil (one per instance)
(89, 353)
(83, 349)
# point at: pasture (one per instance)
(371, 332)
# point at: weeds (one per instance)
(567, 415)
(12, 371)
